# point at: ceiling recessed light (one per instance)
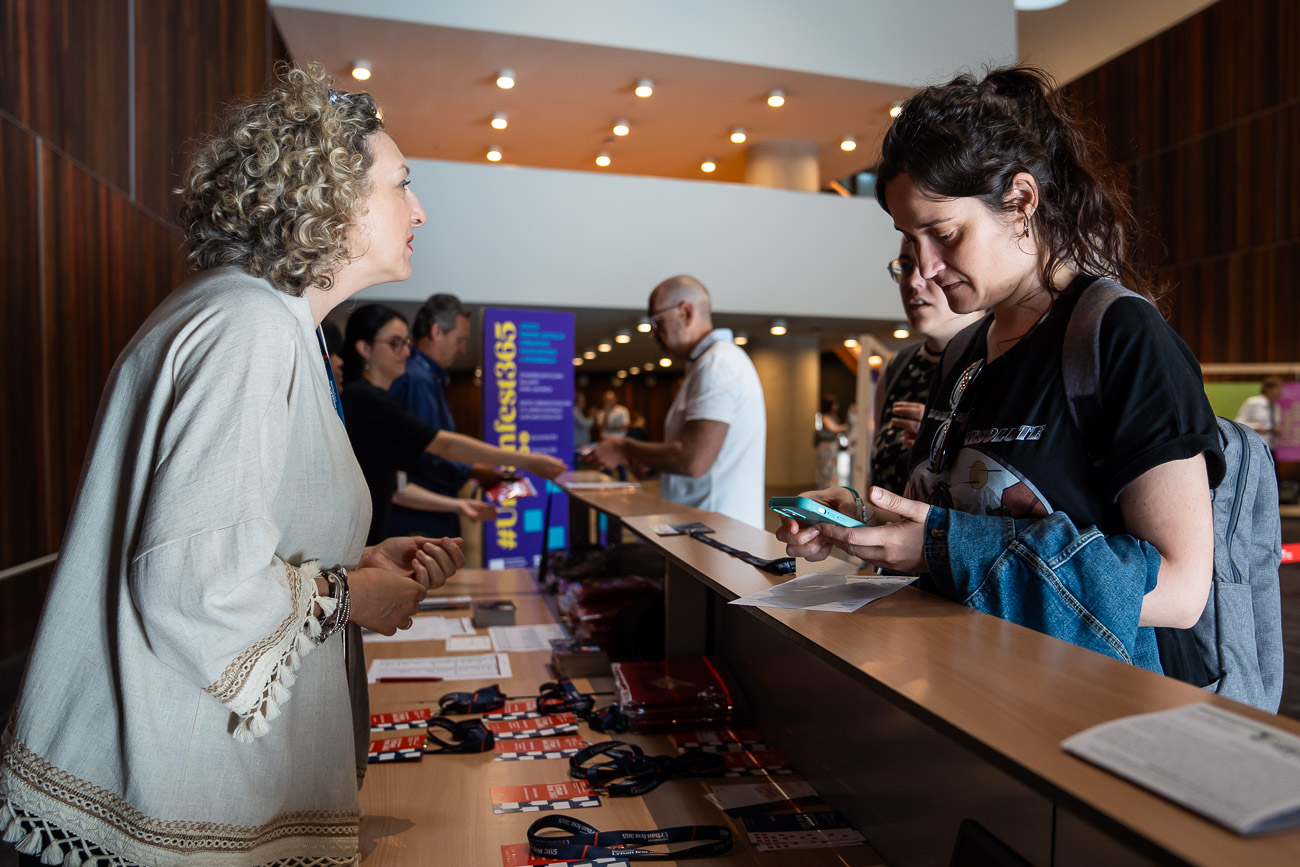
(644, 325)
(738, 135)
(778, 327)
(577, 361)
(494, 155)
(848, 143)
(621, 127)
(506, 79)
(604, 346)
(850, 343)
(896, 109)
(499, 120)
(634, 370)
(740, 339)
(665, 362)
(776, 98)
(361, 70)
(589, 354)
(602, 159)
(623, 336)
(901, 333)
(649, 366)
(708, 166)
(645, 87)
(874, 361)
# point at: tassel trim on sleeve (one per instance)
(258, 681)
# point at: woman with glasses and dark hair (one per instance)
(1010, 208)
(900, 395)
(187, 699)
(388, 438)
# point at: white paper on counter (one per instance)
(466, 643)
(523, 639)
(488, 666)
(426, 628)
(826, 591)
(1240, 773)
(750, 794)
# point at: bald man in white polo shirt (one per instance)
(715, 437)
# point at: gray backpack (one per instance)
(1235, 649)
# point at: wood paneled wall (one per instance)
(97, 103)
(1206, 118)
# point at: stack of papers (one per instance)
(826, 591)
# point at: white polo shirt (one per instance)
(721, 384)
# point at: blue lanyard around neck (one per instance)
(329, 374)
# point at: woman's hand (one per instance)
(384, 601)
(429, 561)
(907, 416)
(546, 466)
(477, 510)
(899, 546)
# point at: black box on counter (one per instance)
(573, 657)
(497, 612)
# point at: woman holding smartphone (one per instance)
(1011, 209)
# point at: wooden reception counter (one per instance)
(915, 713)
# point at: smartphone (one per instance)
(807, 511)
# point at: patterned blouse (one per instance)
(891, 461)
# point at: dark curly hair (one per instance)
(971, 138)
(274, 191)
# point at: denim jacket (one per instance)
(1078, 586)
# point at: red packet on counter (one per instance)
(402, 719)
(518, 855)
(537, 727)
(408, 748)
(510, 489)
(568, 795)
(525, 709)
(532, 749)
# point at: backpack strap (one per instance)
(1081, 355)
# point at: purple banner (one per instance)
(1287, 447)
(528, 407)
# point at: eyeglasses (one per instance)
(655, 317)
(395, 343)
(901, 269)
(947, 439)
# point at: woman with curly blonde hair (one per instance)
(187, 698)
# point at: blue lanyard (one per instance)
(329, 374)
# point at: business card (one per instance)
(568, 795)
(538, 748)
(402, 719)
(720, 740)
(542, 726)
(408, 748)
(517, 709)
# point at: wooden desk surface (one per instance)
(438, 811)
(1004, 691)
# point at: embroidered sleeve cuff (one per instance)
(257, 681)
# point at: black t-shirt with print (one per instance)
(386, 437)
(1022, 455)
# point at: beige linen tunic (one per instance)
(177, 709)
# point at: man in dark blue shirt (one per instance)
(441, 333)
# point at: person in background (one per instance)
(905, 384)
(827, 431)
(442, 327)
(714, 450)
(387, 438)
(333, 340)
(1260, 411)
(581, 425)
(613, 418)
(638, 429)
(187, 697)
(1010, 206)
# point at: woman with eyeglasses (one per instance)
(1010, 208)
(901, 393)
(388, 438)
